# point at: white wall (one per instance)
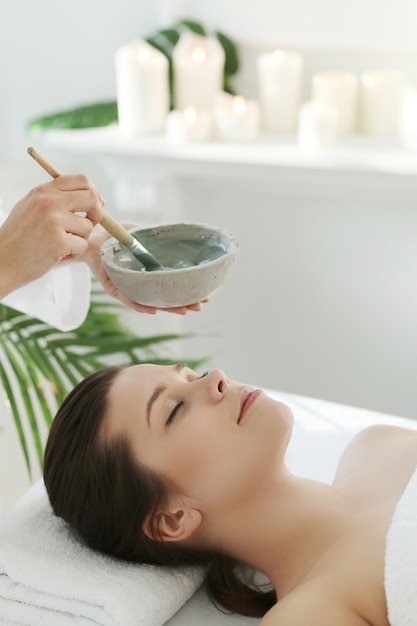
(60, 55)
(56, 55)
(335, 22)
(3, 93)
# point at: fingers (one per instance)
(140, 308)
(73, 247)
(179, 310)
(63, 233)
(52, 222)
(78, 225)
(74, 193)
(86, 201)
(76, 182)
(183, 310)
(194, 307)
(112, 290)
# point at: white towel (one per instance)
(401, 559)
(49, 578)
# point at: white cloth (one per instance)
(49, 578)
(401, 559)
(60, 298)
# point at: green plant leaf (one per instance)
(37, 374)
(86, 116)
(194, 27)
(66, 369)
(83, 368)
(13, 405)
(24, 386)
(164, 45)
(43, 364)
(231, 60)
(170, 34)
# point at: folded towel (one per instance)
(48, 577)
(401, 559)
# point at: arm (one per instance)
(44, 228)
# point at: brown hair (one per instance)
(96, 486)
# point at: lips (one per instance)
(249, 396)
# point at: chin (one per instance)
(283, 418)
(283, 409)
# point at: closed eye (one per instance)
(179, 405)
(174, 411)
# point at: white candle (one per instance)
(408, 116)
(340, 89)
(236, 118)
(142, 88)
(381, 93)
(318, 125)
(189, 125)
(198, 69)
(280, 76)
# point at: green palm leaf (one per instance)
(40, 365)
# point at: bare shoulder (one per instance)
(381, 447)
(382, 431)
(300, 608)
(379, 434)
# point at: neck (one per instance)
(283, 530)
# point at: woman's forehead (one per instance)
(134, 384)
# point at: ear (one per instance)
(176, 525)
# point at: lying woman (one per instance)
(159, 465)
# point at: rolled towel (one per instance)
(401, 559)
(49, 577)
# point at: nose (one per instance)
(217, 384)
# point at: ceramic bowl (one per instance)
(196, 260)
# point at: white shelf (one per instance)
(355, 154)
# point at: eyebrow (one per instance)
(156, 393)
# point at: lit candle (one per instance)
(198, 69)
(142, 88)
(381, 93)
(236, 118)
(408, 116)
(318, 125)
(189, 125)
(280, 76)
(340, 89)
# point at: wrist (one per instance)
(12, 275)
(8, 282)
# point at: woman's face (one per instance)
(212, 437)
